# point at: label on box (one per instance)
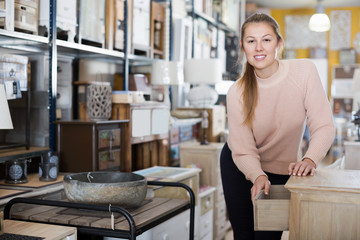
(12, 89)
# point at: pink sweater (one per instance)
(286, 99)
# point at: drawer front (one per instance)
(220, 228)
(219, 194)
(109, 138)
(206, 224)
(175, 228)
(207, 204)
(141, 122)
(272, 212)
(109, 159)
(220, 210)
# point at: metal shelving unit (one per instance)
(27, 43)
(215, 22)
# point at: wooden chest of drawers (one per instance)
(207, 158)
(90, 146)
(325, 206)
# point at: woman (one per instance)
(267, 108)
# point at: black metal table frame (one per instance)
(133, 231)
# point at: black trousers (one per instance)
(238, 199)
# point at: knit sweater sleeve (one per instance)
(319, 116)
(241, 140)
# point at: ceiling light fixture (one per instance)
(319, 22)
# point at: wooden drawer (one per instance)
(176, 228)
(219, 194)
(109, 138)
(206, 224)
(220, 228)
(109, 159)
(220, 210)
(271, 212)
(207, 204)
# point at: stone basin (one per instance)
(117, 188)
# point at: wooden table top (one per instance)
(150, 211)
(47, 231)
(335, 180)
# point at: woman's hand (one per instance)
(303, 168)
(261, 182)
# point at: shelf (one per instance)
(23, 41)
(21, 152)
(213, 21)
(87, 51)
(143, 139)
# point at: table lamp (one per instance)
(202, 73)
(5, 117)
(167, 73)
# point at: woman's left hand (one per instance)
(302, 168)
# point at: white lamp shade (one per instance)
(176, 73)
(203, 71)
(160, 73)
(319, 22)
(5, 118)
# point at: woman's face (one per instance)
(260, 45)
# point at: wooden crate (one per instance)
(271, 212)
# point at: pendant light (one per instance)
(319, 22)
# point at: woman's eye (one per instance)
(267, 40)
(250, 41)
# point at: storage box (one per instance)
(141, 28)
(66, 18)
(92, 22)
(271, 212)
(14, 68)
(26, 16)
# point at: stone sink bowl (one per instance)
(124, 189)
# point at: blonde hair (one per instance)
(248, 78)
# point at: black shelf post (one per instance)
(52, 74)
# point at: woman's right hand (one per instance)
(261, 182)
